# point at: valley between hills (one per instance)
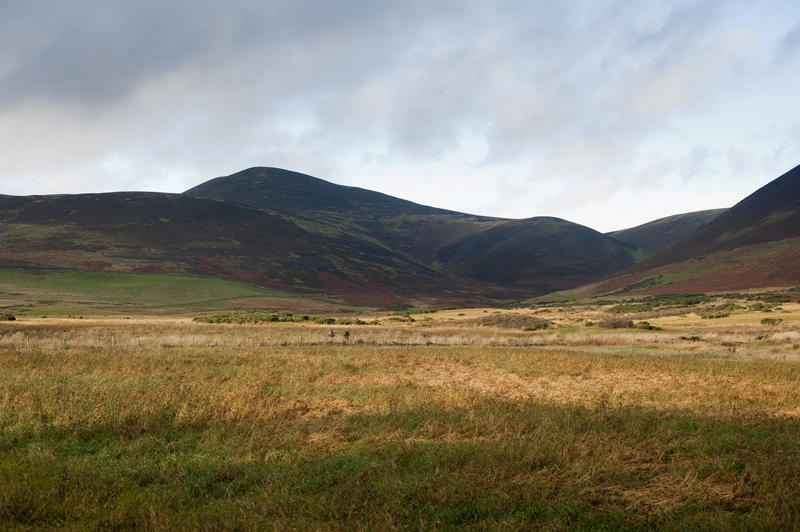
(279, 232)
(179, 361)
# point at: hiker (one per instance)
(346, 335)
(331, 334)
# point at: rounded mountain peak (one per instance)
(279, 189)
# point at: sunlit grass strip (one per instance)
(395, 437)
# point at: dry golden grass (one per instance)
(165, 423)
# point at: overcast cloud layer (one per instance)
(607, 113)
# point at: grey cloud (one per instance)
(92, 52)
(509, 66)
(138, 92)
(788, 47)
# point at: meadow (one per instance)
(549, 417)
(103, 293)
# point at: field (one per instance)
(551, 417)
(76, 293)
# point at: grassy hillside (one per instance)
(295, 192)
(541, 253)
(176, 234)
(767, 265)
(754, 244)
(516, 257)
(663, 233)
(770, 214)
(410, 228)
(291, 232)
(80, 292)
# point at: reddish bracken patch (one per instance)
(150, 268)
(213, 268)
(779, 270)
(95, 265)
(741, 271)
(370, 295)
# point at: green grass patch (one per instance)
(718, 311)
(62, 311)
(110, 289)
(640, 285)
(586, 437)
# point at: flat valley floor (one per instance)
(479, 418)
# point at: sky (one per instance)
(602, 112)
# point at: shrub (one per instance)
(242, 317)
(630, 308)
(718, 311)
(616, 323)
(401, 318)
(712, 315)
(537, 326)
(652, 303)
(7, 316)
(771, 321)
(515, 321)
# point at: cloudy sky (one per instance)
(607, 113)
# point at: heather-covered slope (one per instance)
(663, 233)
(770, 214)
(754, 244)
(286, 230)
(276, 228)
(281, 229)
(171, 233)
(534, 255)
(538, 253)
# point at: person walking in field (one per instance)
(331, 334)
(346, 335)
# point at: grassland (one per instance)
(74, 293)
(449, 419)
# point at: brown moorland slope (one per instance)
(532, 255)
(663, 233)
(299, 234)
(770, 214)
(754, 244)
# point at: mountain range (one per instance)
(754, 244)
(289, 231)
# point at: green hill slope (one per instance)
(296, 233)
(663, 233)
(754, 244)
(534, 255)
(176, 234)
(87, 292)
(538, 253)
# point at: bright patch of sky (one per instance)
(606, 113)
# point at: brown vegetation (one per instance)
(165, 423)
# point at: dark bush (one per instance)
(718, 311)
(616, 323)
(242, 317)
(515, 321)
(7, 316)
